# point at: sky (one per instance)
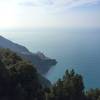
(28, 14)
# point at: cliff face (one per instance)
(41, 62)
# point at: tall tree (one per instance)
(71, 87)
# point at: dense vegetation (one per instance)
(71, 87)
(19, 80)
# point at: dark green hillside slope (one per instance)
(11, 59)
(19, 79)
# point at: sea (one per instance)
(77, 49)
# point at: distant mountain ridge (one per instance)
(42, 63)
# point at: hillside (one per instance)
(12, 61)
(42, 63)
(19, 80)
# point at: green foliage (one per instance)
(93, 94)
(9, 58)
(4, 81)
(70, 87)
(19, 80)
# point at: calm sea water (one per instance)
(72, 48)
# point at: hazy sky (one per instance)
(49, 13)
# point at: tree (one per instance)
(93, 94)
(25, 75)
(71, 87)
(4, 81)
